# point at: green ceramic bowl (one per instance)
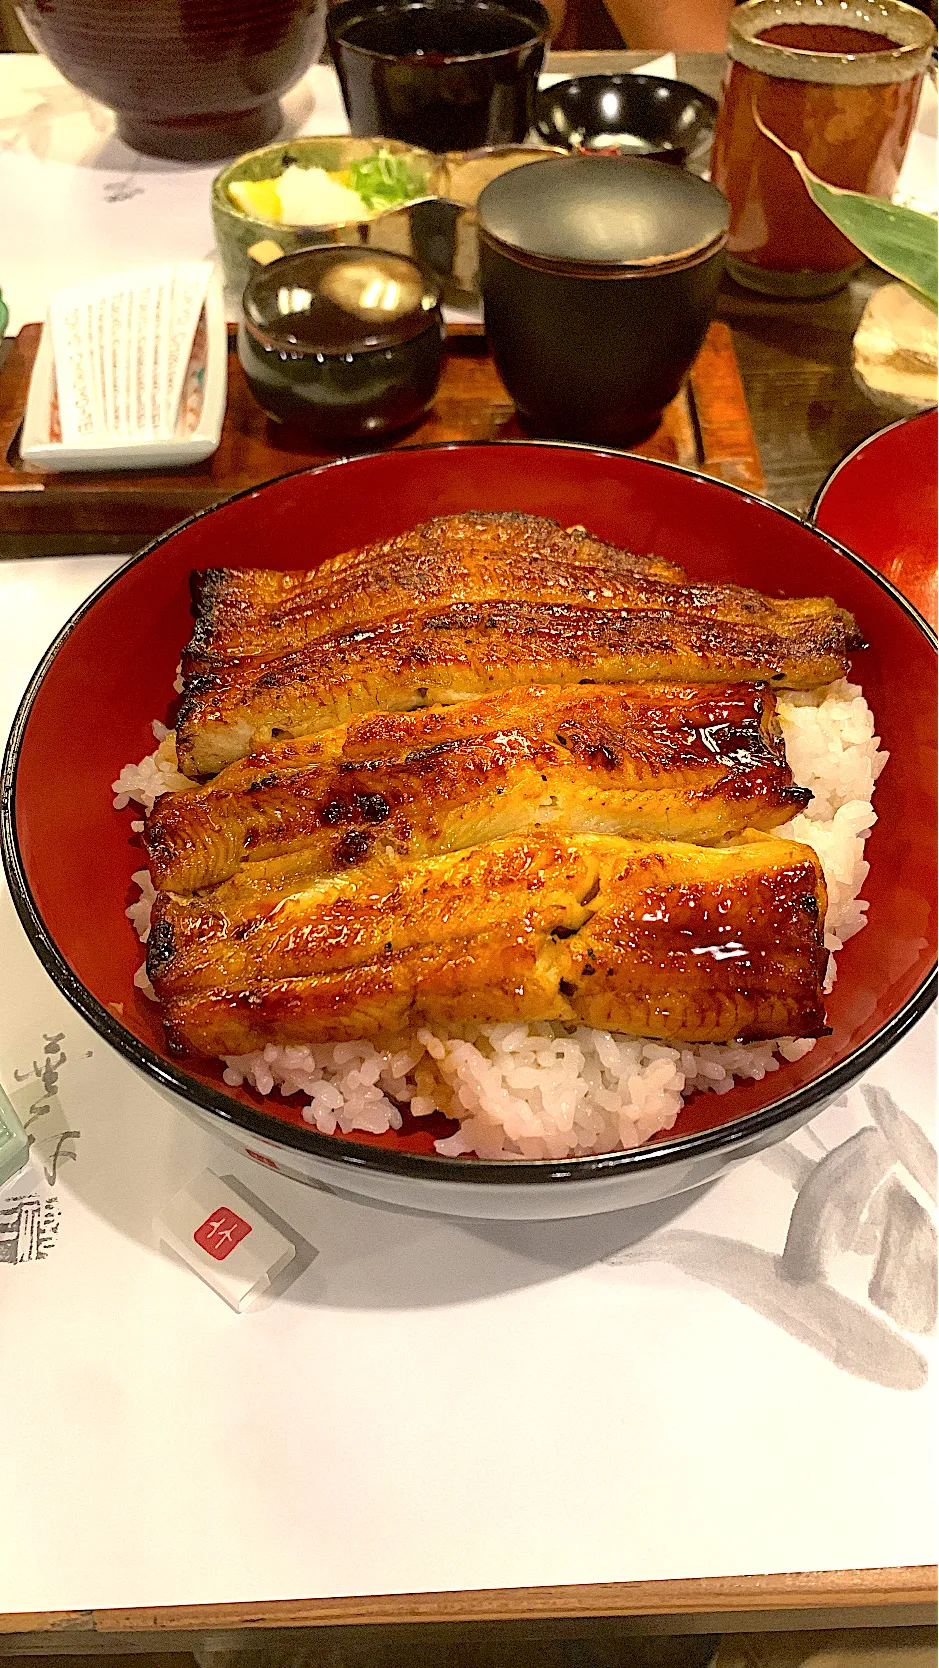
(236, 232)
(437, 230)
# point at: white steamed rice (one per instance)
(542, 1090)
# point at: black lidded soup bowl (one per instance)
(342, 341)
(599, 277)
(445, 74)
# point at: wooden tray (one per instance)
(707, 427)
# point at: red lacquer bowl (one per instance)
(881, 501)
(195, 82)
(70, 862)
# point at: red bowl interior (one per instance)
(91, 708)
(881, 502)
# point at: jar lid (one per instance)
(339, 299)
(605, 211)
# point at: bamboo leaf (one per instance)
(900, 240)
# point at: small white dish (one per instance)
(198, 427)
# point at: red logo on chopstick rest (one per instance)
(221, 1232)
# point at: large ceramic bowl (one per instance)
(70, 857)
(188, 81)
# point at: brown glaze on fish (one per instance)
(471, 650)
(466, 606)
(470, 558)
(250, 612)
(657, 939)
(640, 760)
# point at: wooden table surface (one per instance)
(731, 1604)
(807, 412)
(795, 361)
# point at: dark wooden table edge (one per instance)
(833, 1598)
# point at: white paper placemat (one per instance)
(78, 203)
(433, 1405)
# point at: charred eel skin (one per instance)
(465, 606)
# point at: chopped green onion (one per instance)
(386, 181)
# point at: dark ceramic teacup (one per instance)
(444, 74)
(343, 342)
(599, 278)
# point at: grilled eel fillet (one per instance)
(660, 939)
(466, 606)
(641, 760)
(460, 558)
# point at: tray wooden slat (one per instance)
(707, 427)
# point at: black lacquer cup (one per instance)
(599, 278)
(343, 342)
(450, 75)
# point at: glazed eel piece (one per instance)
(490, 604)
(248, 612)
(648, 761)
(476, 557)
(470, 650)
(658, 939)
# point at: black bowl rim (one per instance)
(420, 1166)
(708, 104)
(540, 32)
(660, 264)
(367, 350)
(649, 267)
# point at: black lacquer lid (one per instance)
(339, 299)
(608, 211)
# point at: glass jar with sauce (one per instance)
(836, 80)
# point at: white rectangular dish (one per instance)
(198, 426)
